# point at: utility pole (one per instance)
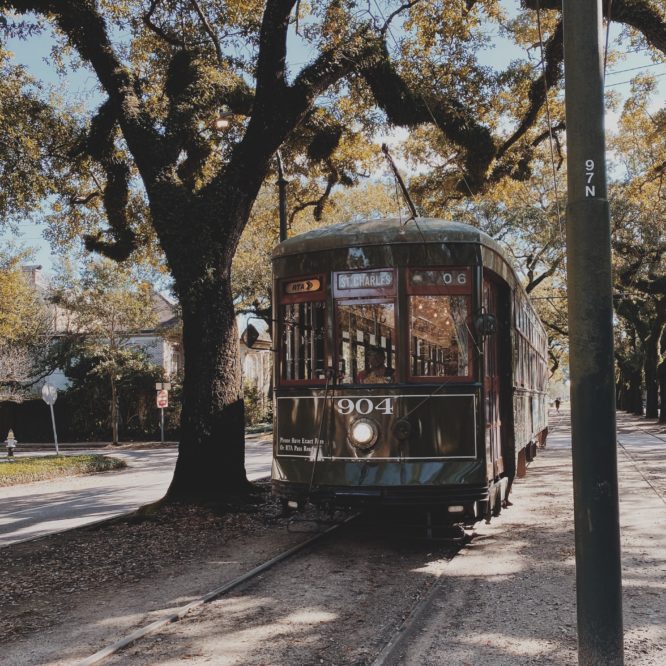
(282, 191)
(598, 573)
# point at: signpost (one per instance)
(162, 401)
(49, 396)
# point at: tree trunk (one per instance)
(661, 373)
(211, 454)
(662, 391)
(635, 394)
(114, 412)
(620, 385)
(650, 363)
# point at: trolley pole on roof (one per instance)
(598, 574)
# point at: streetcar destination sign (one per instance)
(365, 280)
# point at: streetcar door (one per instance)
(492, 384)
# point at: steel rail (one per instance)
(179, 613)
(410, 621)
(638, 465)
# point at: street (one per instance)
(32, 510)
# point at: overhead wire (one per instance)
(613, 72)
(608, 23)
(621, 83)
(426, 246)
(425, 102)
(550, 127)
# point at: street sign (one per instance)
(162, 399)
(49, 394)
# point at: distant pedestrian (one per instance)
(557, 404)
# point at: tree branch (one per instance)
(554, 57)
(557, 329)
(84, 26)
(639, 14)
(318, 204)
(83, 200)
(208, 28)
(160, 32)
(545, 275)
(409, 109)
(271, 64)
(387, 24)
(99, 144)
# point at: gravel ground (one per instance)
(522, 609)
(338, 603)
(66, 596)
(507, 598)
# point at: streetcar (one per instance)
(410, 368)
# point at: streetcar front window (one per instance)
(303, 341)
(439, 315)
(366, 341)
(439, 336)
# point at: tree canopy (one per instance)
(24, 327)
(105, 308)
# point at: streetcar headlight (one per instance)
(363, 434)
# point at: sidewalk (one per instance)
(509, 598)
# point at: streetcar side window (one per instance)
(302, 320)
(439, 315)
(366, 341)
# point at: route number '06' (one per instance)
(363, 406)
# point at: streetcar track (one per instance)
(181, 612)
(647, 432)
(637, 462)
(637, 465)
(411, 618)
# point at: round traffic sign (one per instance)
(49, 394)
(162, 399)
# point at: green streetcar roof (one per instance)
(385, 231)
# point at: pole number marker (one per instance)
(590, 190)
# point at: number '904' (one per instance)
(363, 406)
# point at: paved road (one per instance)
(35, 509)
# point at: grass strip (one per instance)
(41, 468)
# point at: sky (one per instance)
(81, 86)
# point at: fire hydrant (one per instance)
(10, 442)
